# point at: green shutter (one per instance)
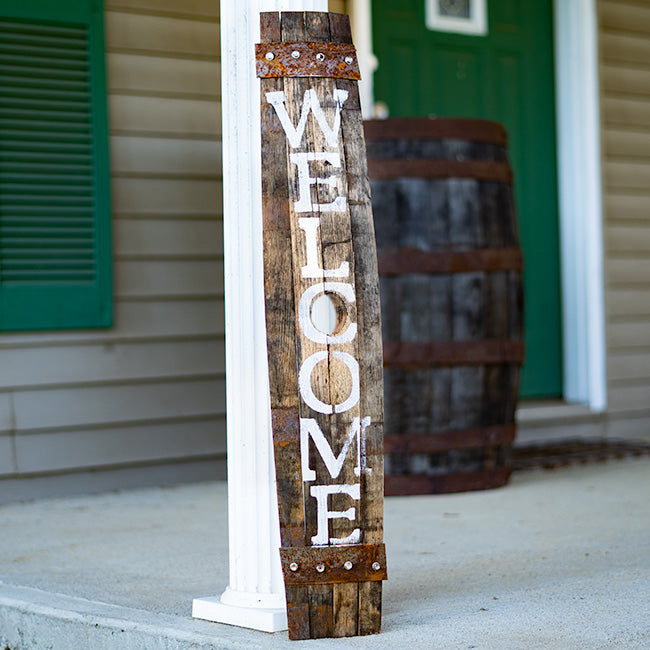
(55, 253)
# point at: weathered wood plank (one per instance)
(327, 216)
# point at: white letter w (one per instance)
(309, 102)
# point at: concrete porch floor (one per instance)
(558, 559)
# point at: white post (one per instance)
(255, 596)
(580, 194)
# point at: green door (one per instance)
(506, 75)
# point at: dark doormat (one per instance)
(575, 452)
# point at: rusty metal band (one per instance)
(452, 353)
(314, 59)
(482, 170)
(445, 483)
(426, 128)
(433, 443)
(410, 260)
(314, 565)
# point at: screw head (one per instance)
(376, 566)
(347, 565)
(349, 60)
(293, 566)
(295, 54)
(320, 56)
(320, 568)
(269, 56)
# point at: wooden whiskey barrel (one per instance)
(451, 295)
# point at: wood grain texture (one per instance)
(450, 269)
(343, 239)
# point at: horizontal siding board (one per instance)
(627, 175)
(621, 80)
(620, 206)
(51, 452)
(629, 334)
(629, 365)
(168, 238)
(625, 48)
(165, 116)
(626, 112)
(164, 156)
(138, 320)
(628, 397)
(198, 8)
(629, 271)
(6, 413)
(146, 279)
(162, 35)
(7, 455)
(633, 143)
(65, 408)
(622, 16)
(76, 365)
(628, 301)
(628, 239)
(152, 196)
(141, 74)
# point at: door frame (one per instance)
(579, 188)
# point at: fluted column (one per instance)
(255, 595)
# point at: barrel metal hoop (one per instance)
(426, 354)
(426, 128)
(482, 170)
(400, 485)
(410, 260)
(433, 443)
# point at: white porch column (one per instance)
(255, 596)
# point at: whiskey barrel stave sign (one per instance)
(323, 326)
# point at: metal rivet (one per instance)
(269, 56)
(348, 565)
(320, 568)
(349, 60)
(376, 566)
(293, 566)
(295, 54)
(320, 56)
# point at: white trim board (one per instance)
(579, 189)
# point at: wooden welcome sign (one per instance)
(325, 372)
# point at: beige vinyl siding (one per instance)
(625, 104)
(338, 6)
(151, 389)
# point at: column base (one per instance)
(265, 619)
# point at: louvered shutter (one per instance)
(55, 252)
